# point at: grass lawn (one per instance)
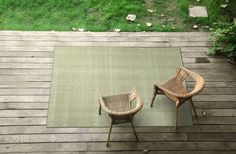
(102, 15)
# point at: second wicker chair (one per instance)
(176, 91)
(119, 108)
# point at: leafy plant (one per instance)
(224, 40)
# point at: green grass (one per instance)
(100, 15)
(215, 12)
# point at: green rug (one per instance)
(80, 73)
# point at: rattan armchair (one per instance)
(119, 108)
(175, 90)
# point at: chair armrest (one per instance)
(164, 90)
(199, 82)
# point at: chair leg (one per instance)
(153, 98)
(177, 117)
(194, 109)
(99, 111)
(109, 134)
(154, 95)
(134, 130)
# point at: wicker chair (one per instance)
(176, 91)
(119, 109)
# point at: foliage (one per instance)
(224, 40)
(230, 10)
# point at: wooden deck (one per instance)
(25, 75)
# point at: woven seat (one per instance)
(176, 91)
(120, 108)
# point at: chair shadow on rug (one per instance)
(176, 91)
(121, 109)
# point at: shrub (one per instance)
(224, 40)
